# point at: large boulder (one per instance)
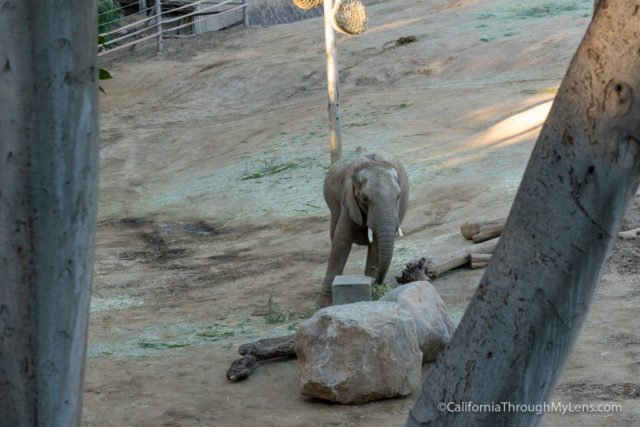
(433, 324)
(354, 353)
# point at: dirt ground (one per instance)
(212, 227)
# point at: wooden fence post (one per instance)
(333, 91)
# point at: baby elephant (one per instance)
(367, 198)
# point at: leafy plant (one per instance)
(109, 15)
(274, 314)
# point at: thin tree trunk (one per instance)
(333, 85)
(48, 186)
(523, 320)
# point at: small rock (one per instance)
(433, 324)
(355, 353)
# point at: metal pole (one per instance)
(159, 21)
(335, 134)
(142, 5)
(245, 12)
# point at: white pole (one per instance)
(159, 20)
(335, 134)
(245, 12)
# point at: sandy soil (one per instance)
(213, 230)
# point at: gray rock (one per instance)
(355, 353)
(433, 324)
(273, 12)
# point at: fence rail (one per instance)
(163, 20)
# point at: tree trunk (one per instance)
(333, 84)
(48, 189)
(524, 318)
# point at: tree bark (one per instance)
(524, 318)
(48, 189)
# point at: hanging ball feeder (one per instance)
(349, 17)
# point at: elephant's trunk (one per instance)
(385, 232)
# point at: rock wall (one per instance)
(273, 12)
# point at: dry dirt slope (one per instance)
(212, 226)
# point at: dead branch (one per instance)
(479, 260)
(437, 265)
(630, 234)
(482, 230)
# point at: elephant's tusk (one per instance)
(400, 232)
(370, 234)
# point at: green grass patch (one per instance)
(216, 332)
(293, 326)
(379, 290)
(535, 10)
(551, 90)
(163, 345)
(274, 314)
(268, 167)
(545, 9)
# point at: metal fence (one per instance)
(148, 23)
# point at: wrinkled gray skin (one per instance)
(368, 192)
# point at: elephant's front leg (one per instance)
(371, 268)
(340, 248)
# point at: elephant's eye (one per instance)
(364, 198)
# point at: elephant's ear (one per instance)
(350, 201)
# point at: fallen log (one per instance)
(630, 234)
(241, 368)
(482, 230)
(488, 234)
(435, 266)
(270, 348)
(479, 260)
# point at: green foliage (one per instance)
(109, 15)
(274, 314)
(379, 290)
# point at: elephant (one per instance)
(368, 200)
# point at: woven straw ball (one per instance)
(350, 17)
(307, 4)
